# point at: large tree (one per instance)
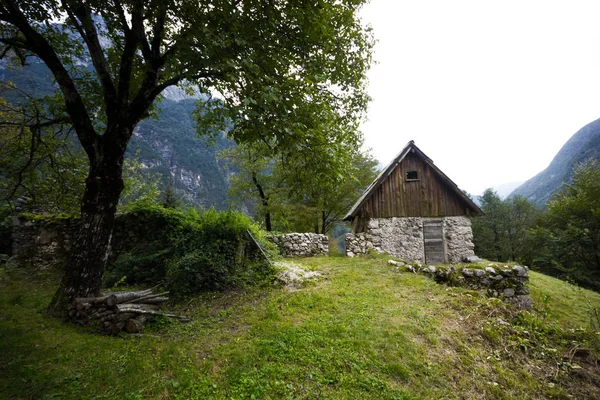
(272, 62)
(302, 190)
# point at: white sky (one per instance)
(490, 90)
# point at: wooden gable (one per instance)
(412, 186)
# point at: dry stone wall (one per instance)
(508, 283)
(301, 244)
(403, 238)
(46, 242)
(42, 243)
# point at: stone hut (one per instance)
(413, 211)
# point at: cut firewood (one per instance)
(141, 310)
(156, 300)
(124, 297)
(134, 326)
(91, 300)
(151, 297)
(120, 311)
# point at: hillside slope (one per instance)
(582, 146)
(168, 145)
(363, 330)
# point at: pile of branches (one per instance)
(120, 311)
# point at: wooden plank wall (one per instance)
(428, 196)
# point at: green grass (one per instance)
(362, 331)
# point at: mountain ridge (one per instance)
(581, 147)
(168, 145)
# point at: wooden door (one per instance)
(433, 236)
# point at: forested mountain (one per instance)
(167, 145)
(582, 146)
(170, 146)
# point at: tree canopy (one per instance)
(569, 235)
(278, 66)
(300, 191)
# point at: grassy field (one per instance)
(362, 331)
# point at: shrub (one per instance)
(132, 268)
(193, 251)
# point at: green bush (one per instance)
(194, 251)
(134, 268)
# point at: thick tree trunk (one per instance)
(268, 221)
(83, 273)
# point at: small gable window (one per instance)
(412, 176)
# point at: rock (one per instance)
(467, 272)
(490, 270)
(479, 273)
(501, 321)
(509, 292)
(524, 302)
(397, 263)
(350, 254)
(523, 290)
(506, 272)
(471, 259)
(520, 271)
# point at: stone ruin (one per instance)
(301, 244)
(501, 281)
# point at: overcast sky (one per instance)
(490, 90)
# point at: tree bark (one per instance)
(83, 272)
(264, 200)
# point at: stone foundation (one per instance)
(301, 244)
(403, 238)
(458, 237)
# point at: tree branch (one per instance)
(87, 30)
(75, 107)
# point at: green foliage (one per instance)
(308, 190)
(280, 68)
(194, 251)
(502, 234)
(137, 267)
(140, 187)
(569, 234)
(42, 169)
(5, 230)
(170, 198)
(214, 253)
